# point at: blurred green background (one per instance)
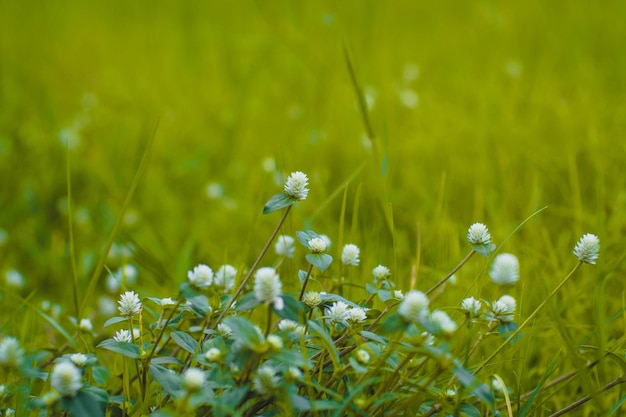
(482, 111)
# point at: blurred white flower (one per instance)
(414, 306)
(79, 359)
(85, 325)
(201, 277)
(224, 330)
(167, 302)
(123, 336)
(14, 279)
(505, 269)
(129, 304)
(350, 255)
(443, 322)
(275, 343)
(337, 312)
(362, 356)
(588, 248)
(503, 309)
(471, 306)
(268, 288)
(478, 234)
(266, 381)
(225, 278)
(106, 306)
(317, 245)
(66, 378)
(193, 379)
(398, 295)
(11, 354)
(213, 354)
(408, 97)
(284, 246)
(296, 186)
(381, 272)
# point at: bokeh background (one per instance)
(480, 111)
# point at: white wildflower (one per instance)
(443, 322)
(337, 312)
(11, 354)
(79, 359)
(129, 304)
(275, 342)
(296, 186)
(362, 356)
(398, 295)
(225, 278)
(266, 381)
(478, 234)
(267, 287)
(66, 378)
(350, 255)
(213, 354)
(381, 272)
(414, 306)
(201, 277)
(14, 279)
(193, 379)
(284, 246)
(123, 336)
(85, 325)
(357, 315)
(587, 249)
(224, 330)
(503, 308)
(167, 302)
(312, 299)
(471, 306)
(505, 269)
(317, 245)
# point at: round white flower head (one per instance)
(106, 306)
(503, 308)
(85, 325)
(317, 245)
(193, 379)
(398, 295)
(312, 299)
(213, 354)
(381, 272)
(66, 378)
(79, 359)
(266, 381)
(123, 336)
(350, 255)
(293, 374)
(413, 306)
(362, 356)
(287, 325)
(127, 273)
(357, 315)
(478, 234)
(275, 343)
(471, 306)
(337, 312)
(224, 330)
(225, 277)
(284, 246)
(443, 322)
(505, 269)
(326, 240)
(296, 186)
(14, 278)
(11, 354)
(267, 287)
(129, 304)
(167, 302)
(587, 248)
(201, 277)
(450, 393)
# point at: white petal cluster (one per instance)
(381, 272)
(78, 359)
(471, 306)
(296, 186)
(193, 379)
(317, 245)
(414, 306)
(267, 287)
(505, 269)
(85, 325)
(225, 278)
(356, 315)
(213, 354)
(66, 378)
(266, 381)
(284, 246)
(443, 322)
(337, 312)
(129, 304)
(588, 248)
(312, 299)
(350, 255)
(478, 234)
(11, 354)
(123, 336)
(503, 308)
(201, 277)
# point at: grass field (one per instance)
(481, 111)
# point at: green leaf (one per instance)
(84, 404)
(292, 309)
(170, 381)
(185, 341)
(277, 202)
(301, 403)
(358, 368)
(327, 341)
(374, 337)
(247, 302)
(100, 374)
(469, 380)
(469, 410)
(244, 332)
(484, 250)
(123, 348)
(505, 328)
(393, 323)
(200, 304)
(319, 260)
(114, 320)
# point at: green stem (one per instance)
(447, 277)
(306, 280)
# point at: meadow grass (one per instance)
(173, 124)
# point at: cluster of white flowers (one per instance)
(193, 379)
(225, 278)
(443, 322)
(123, 336)
(312, 299)
(268, 288)
(471, 306)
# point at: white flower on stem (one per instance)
(588, 248)
(443, 322)
(478, 234)
(79, 359)
(201, 277)
(224, 330)
(362, 356)
(225, 278)
(296, 186)
(505, 269)
(398, 295)
(284, 246)
(14, 278)
(275, 343)
(268, 288)
(317, 245)
(312, 299)
(266, 381)
(123, 336)
(350, 255)
(167, 302)
(213, 354)
(129, 304)
(357, 315)
(85, 325)
(287, 325)
(503, 308)
(381, 272)
(471, 306)
(414, 306)
(193, 379)
(11, 354)
(66, 378)
(337, 312)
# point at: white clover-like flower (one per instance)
(78, 359)
(326, 240)
(287, 325)
(293, 374)
(224, 330)
(123, 336)
(398, 295)
(503, 308)
(275, 343)
(225, 278)
(588, 248)
(14, 278)
(284, 246)
(85, 325)
(11, 354)
(129, 304)
(127, 273)
(471, 306)
(381, 272)
(106, 306)
(66, 378)
(201, 277)
(268, 288)
(450, 393)
(443, 322)
(193, 379)
(356, 315)
(478, 234)
(317, 245)
(350, 255)
(414, 306)
(505, 269)
(213, 354)
(167, 302)
(362, 356)
(337, 312)
(428, 339)
(312, 299)
(266, 381)
(296, 186)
